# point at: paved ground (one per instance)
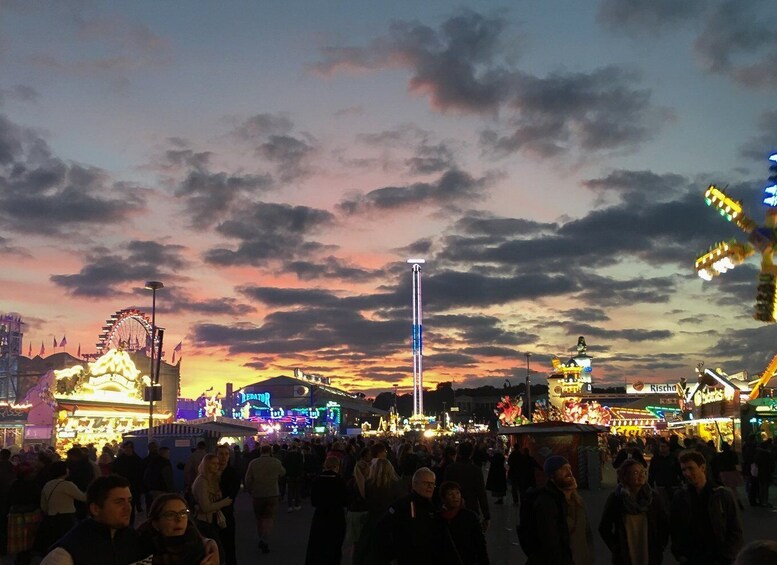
(289, 541)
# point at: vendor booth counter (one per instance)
(579, 443)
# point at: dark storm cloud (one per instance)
(739, 40)
(765, 142)
(124, 46)
(176, 300)
(477, 223)
(431, 159)
(307, 331)
(329, 268)
(268, 231)
(284, 297)
(209, 195)
(750, 349)
(607, 291)
(634, 335)
(478, 329)
(452, 187)
(736, 287)
(596, 111)
(18, 93)
(289, 154)
(260, 126)
(590, 314)
(42, 194)
(638, 186)
(108, 273)
(643, 18)
(461, 67)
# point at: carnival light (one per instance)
(722, 258)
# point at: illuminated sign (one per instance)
(277, 413)
(639, 387)
(111, 378)
(263, 397)
(709, 396)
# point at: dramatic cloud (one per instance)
(270, 231)
(452, 187)
(739, 40)
(462, 67)
(648, 18)
(765, 142)
(639, 186)
(208, 196)
(42, 194)
(18, 93)
(107, 273)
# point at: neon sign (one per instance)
(263, 397)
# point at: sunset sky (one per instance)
(275, 164)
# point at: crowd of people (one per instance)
(383, 501)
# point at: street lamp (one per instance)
(151, 392)
(528, 388)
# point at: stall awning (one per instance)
(175, 430)
(226, 427)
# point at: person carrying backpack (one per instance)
(554, 528)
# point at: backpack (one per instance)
(528, 535)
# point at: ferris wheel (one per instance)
(128, 329)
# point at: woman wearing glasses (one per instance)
(170, 530)
(634, 522)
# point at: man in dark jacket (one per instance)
(664, 473)
(229, 483)
(107, 538)
(764, 460)
(470, 478)
(705, 521)
(562, 526)
(414, 533)
(158, 474)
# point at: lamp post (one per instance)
(528, 388)
(153, 286)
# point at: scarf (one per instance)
(635, 504)
(449, 514)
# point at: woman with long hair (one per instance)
(634, 523)
(170, 531)
(382, 487)
(208, 498)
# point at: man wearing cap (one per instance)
(564, 535)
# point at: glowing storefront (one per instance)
(92, 404)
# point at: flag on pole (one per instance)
(42, 349)
(176, 349)
(63, 343)
(30, 353)
(79, 351)
(55, 343)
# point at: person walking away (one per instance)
(764, 462)
(727, 464)
(463, 527)
(558, 532)
(706, 527)
(469, 477)
(356, 515)
(209, 500)
(158, 475)
(496, 481)
(57, 502)
(634, 522)
(81, 474)
(327, 530)
(382, 488)
(229, 483)
(130, 466)
(105, 461)
(749, 447)
(664, 474)
(192, 465)
(261, 482)
(294, 465)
